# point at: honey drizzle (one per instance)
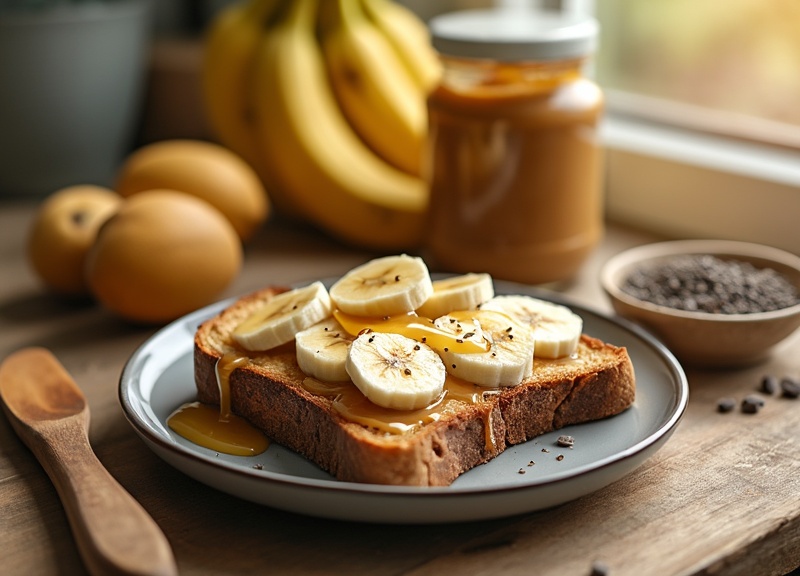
(355, 407)
(418, 328)
(218, 428)
(223, 368)
(488, 433)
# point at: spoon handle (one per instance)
(114, 534)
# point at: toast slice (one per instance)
(466, 430)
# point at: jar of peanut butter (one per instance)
(514, 161)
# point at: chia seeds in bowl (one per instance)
(707, 283)
(713, 303)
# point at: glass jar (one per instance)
(514, 161)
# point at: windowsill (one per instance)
(679, 183)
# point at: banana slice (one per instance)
(383, 287)
(465, 292)
(509, 360)
(556, 328)
(394, 371)
(283, 316)
(322, 351)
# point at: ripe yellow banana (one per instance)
(395, 372)
(556, 328)
(465, 292)
(377, 94)
(230, 45)
(336, 180)
(229, 52)
(282, 317)
(383, 287)
(410, 38)
(507, 362)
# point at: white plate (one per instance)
(159, 377)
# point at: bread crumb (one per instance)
(566, 441)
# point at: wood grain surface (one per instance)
(721, 497)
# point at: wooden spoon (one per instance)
(115, 535)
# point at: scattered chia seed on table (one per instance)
(726, 404)
(752, 404)
(769, 385)
(705, 283)
(790, 388)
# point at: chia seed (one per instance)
(726, 405)
(706, 283)
(752, 404)
(790, 388)
(769, 385)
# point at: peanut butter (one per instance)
(514, 158)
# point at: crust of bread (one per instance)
(598, 383)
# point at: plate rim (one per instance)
(664, 430)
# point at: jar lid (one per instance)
(513, 34)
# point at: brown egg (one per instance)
(63, 231)
(162, 255)
(202, 169)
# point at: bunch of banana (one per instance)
(326, 100)
(368, 329)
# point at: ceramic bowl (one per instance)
(706, 339)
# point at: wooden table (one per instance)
(721, 497)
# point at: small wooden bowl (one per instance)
(705, 339)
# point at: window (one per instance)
(703, 123)
(738, 59)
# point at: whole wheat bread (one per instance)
(268, 391)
